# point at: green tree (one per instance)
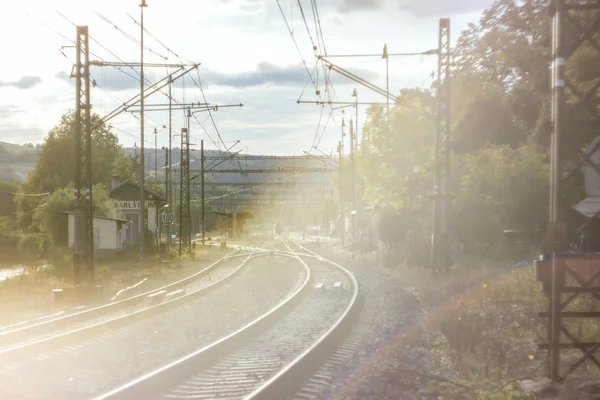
(55, 166)
(51, 215)
(501, 80)
(395, 166)
(501, 188)
(8, 205)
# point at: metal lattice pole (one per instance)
(142, 224)
(83, 243)
(184, 192)
(575, 24)
(442, 202)
(203, 198)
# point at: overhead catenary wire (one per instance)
(154, 37)
(291, 32)
(127, 35)
(199, 85)
(326, 73)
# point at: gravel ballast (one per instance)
(389, 331)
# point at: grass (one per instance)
(477, 338)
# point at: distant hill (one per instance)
(17, 161)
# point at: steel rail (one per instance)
(147, 386)
(162, 379)
(5, 332)
(108, 307)
(66, 336)
(284, 383)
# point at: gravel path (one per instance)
(387, 320)
(100, 363)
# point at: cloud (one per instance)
(25, 82)
(420, 8)
(441, 8)
(267, 73)
(7, 111)
(354, 5)
(16, 134)
(62, 75)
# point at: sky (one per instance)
(247, 56)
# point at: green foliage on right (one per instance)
(501, 133)
(501, 188)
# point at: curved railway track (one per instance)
(261, 359)
(26, 340)
(87, 366)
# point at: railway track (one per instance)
(261, 359)
(25, 340)
(94, 363)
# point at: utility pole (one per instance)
(355, 95)
(169, 162)
(155, 156)
(353, 166)
(387, 77)
(343, 219)
(442, 202)
(83, 240)
(184, 191)
(142, 224)
(340, 162)
(203, 199)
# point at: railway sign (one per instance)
(167, 218)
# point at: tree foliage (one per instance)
(500, 127)
(55, 166)
(501, 188)
(51, 217)
(8, 205)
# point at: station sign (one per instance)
(588, 206)
(131, 205)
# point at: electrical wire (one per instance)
(25, 194)
(199, 84)
(291, 32)
(127, 35)
(50, 28)
(155, 38)
(306, 24)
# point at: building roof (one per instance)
(136, 185)
(242, 215)
(99, 217)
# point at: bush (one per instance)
(33, 245)
(9, 237)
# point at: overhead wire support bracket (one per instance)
(431, 52)
(349, 103)
(396, 99)
(200, 107)
(137, 64)
(148, 91)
